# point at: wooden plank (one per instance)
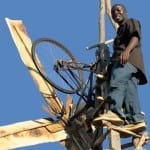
(139, 142)
(22, 126)
(29, 133)
(24, 44)
(115, 140)
(123, 132)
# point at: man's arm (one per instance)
(124, 57)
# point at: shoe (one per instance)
(137, 127)
(100, 75)
(109, 116)
(100, 98)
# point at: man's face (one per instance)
(118, 14)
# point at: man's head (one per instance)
(119, 13)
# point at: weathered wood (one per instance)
(115, 140)
(122, 131)
(139, 142)
(24, 44)
(105, 8)
(102, 21)
(108, 11)
(50, 132)
(30, 133)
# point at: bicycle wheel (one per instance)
(57, 65)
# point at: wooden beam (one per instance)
(31, 132)
(24, 44)
(115, 140)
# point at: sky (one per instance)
(73, 23)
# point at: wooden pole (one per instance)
(102, 21)
(108, 11)
(105, 8)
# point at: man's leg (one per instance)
(132, 108)
(131, 104)
(120, 76)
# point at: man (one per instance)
(126, 73)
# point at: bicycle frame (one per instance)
(66, 75)
(100, 65)
(67, 66)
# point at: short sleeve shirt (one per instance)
(128, 29)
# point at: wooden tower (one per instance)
(74, 135)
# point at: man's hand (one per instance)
(124, 57)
